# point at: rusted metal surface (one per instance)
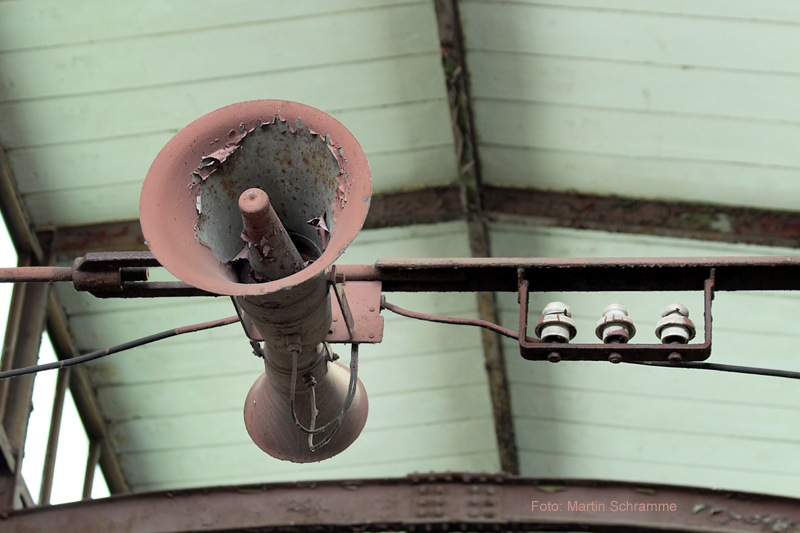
(72, 241)
(456, 72)
(25, 241)
(92, 460)
(402, 208)
(435, 502)
(364, 300)
(270, 251)
(544, 274)
(45, 273)
(170, 194)
(49, 467)
(641, 216)
(21, 348)
(84, 396)
(421, 206)
(317, 179)
(583, 274)
(15, 215)
(520, 206)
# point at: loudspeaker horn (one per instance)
(256, 201)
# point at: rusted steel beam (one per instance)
(423, 206)
(92, 460)
(583, 274)
(544, 274)
(30, 243)
(20, 349)
(14, 213)
(518, 206)
(456, 74)
(52, 440)
(85, 399)
(454, 502)
(648, 217)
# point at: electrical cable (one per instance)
(311, 384)
(450, 320)
(511, 334)
(724, 368)
(118, 348)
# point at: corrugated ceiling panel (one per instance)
(609, 421)
(175, 407)
(657, 99)
(83, 113)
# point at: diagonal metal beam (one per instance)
(31, 244)
(457, 82)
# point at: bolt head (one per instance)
(615, 358)
(554, 357)
(675, 358)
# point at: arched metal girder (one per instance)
(429, 502)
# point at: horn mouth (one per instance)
(311, 166)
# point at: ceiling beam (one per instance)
(741, 225)
(456, 75)
(423, 206)
(435, 502)
(516, 206)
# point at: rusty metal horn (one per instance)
(256, 201)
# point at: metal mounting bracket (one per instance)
(535, 350)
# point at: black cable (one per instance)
(724, 368)
(491, 326)
(118, 348)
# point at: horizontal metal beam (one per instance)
(649, 217)
(518, 206)
(585, 274)
(455, 502)
(479, 274)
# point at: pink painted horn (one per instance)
(256, 201)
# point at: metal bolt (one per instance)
(675, 325)
(615, 326)
(675, 358)
(371, 309)
(556, 324)
(371, 335)
(615, 358)
(554, 357)
(335, 319)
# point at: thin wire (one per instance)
(724, 368)
(450, 320)
(118, 348)
(335, 423)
